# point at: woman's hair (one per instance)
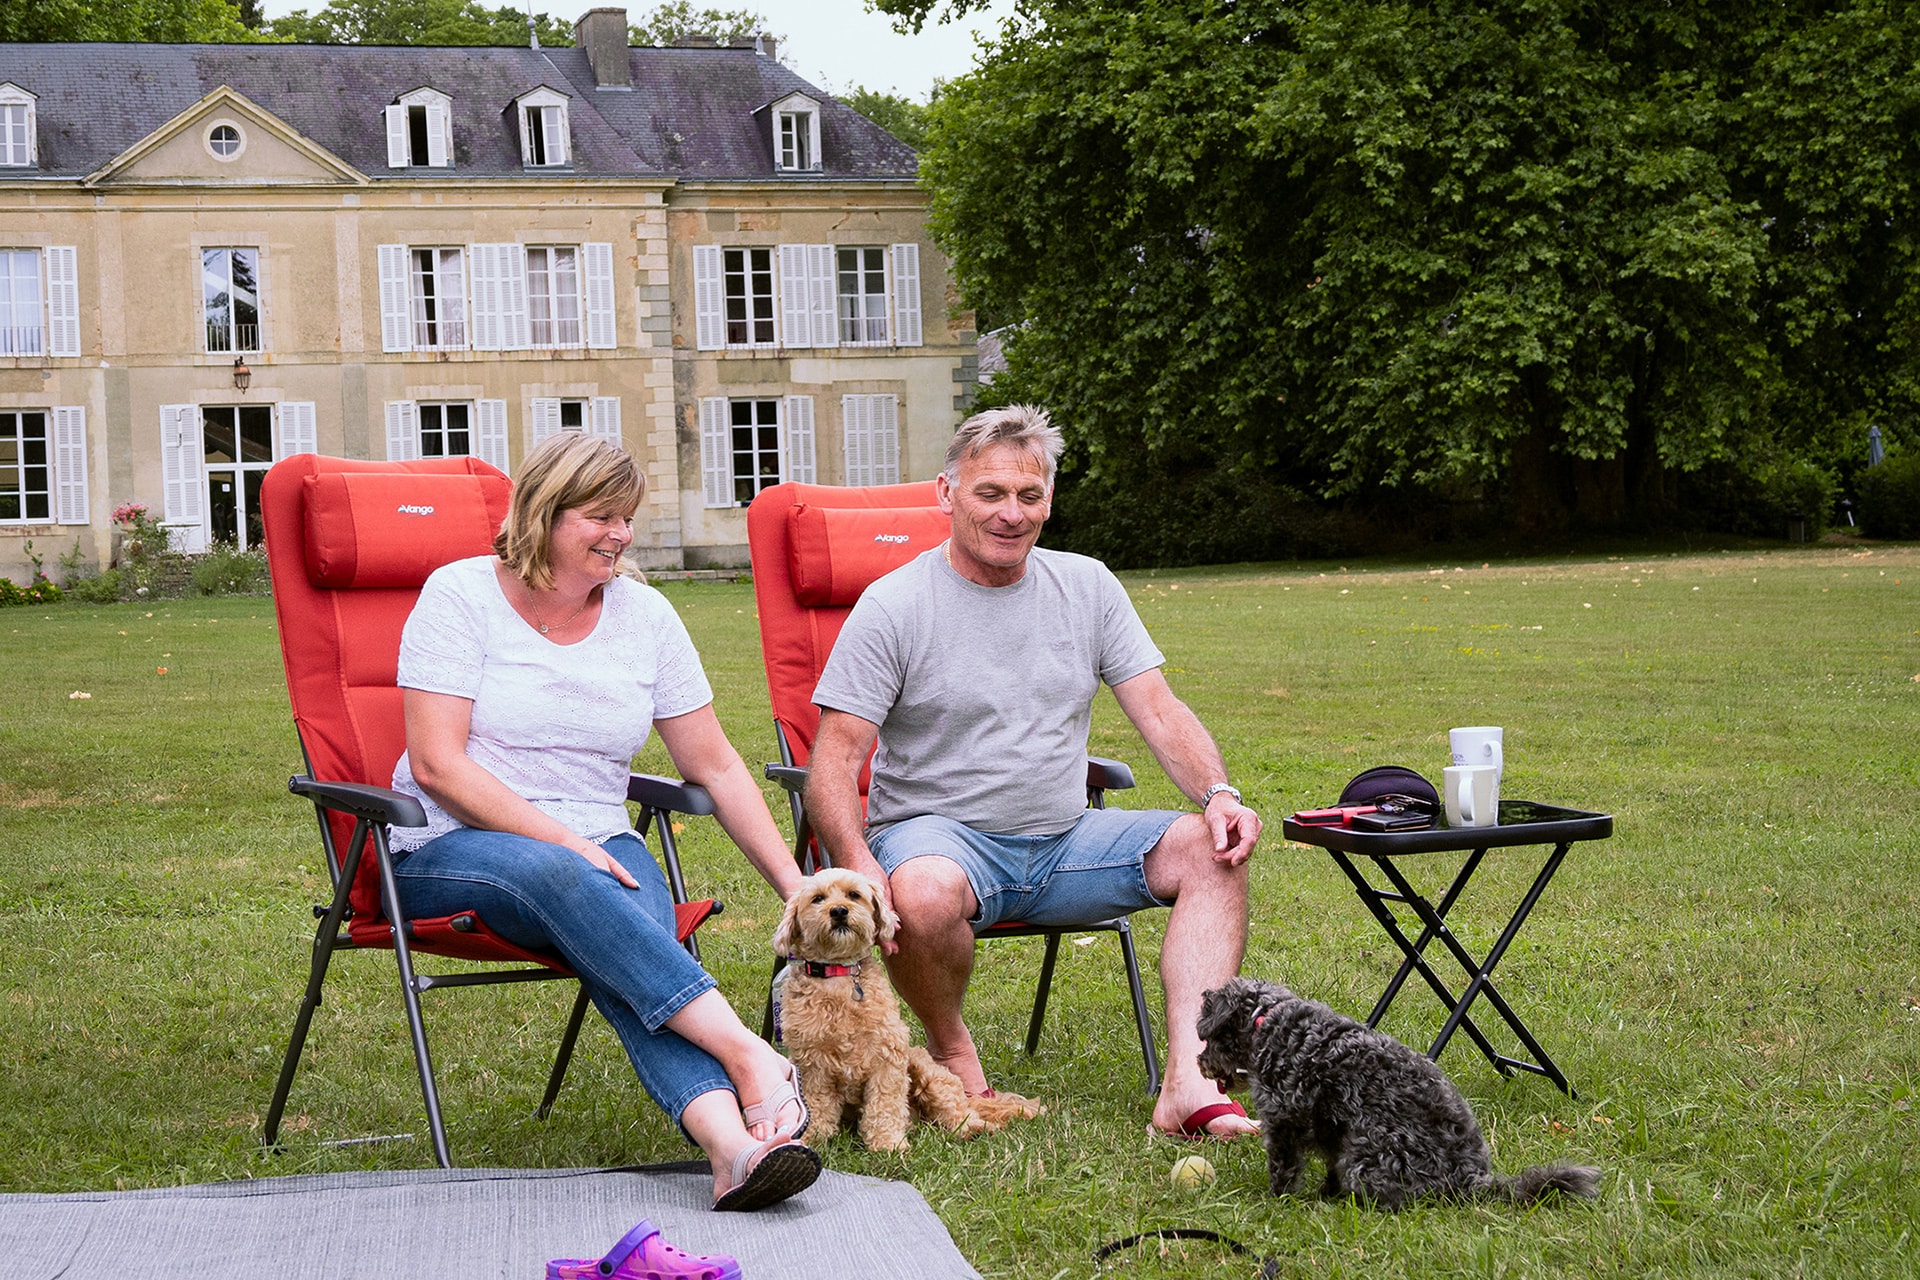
(568, 470)
(1023, 425)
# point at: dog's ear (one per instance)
(885, 922)
(783, 936)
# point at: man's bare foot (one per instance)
(1200, 1110)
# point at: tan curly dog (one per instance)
(842, 1025)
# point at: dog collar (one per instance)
(815, 969)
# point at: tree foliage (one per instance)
(416, 22)
(1554, 250)
(157, 21)
(902, 117)
(674, 20)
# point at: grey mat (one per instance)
(465, 1224)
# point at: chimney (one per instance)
(603, 34)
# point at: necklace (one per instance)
(540, 624)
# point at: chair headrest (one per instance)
(392, 529)
(834, 553)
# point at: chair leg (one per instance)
(1141, 1018)
(1041, 991)
(565, 1055)
(323, 944)
(410, 994)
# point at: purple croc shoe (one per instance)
(643, 1255)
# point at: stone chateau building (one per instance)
(212, 256)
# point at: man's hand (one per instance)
(1235, 829)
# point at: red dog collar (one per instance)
(815, 969)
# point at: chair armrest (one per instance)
(654, 792)
(791, 776)
(376, 804)
(1108, 775)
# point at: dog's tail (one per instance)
(1541, 1181)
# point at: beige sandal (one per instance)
(784, 1167)
(768, 1109)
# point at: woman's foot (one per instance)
(764, 1173)
(778, 1106)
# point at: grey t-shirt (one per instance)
(984, 695)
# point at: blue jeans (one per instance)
(619, 940)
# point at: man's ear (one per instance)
(943, 492)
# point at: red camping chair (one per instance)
(814, 550)
(349, 545)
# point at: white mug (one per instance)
(1472, 795)
(1481, 745)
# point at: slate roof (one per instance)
(690, 112)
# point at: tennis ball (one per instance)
(1190, 1173)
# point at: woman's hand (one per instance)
(600, 858)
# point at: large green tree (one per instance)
(1553, 250)
(416, 22)
(163, 21)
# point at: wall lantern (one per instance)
(242, 376)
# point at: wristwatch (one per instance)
(1214, 790)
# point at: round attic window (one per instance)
(225, 141)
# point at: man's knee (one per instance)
(1183, 862)
(930, 889)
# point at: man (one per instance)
(975, 665)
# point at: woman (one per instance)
(531, 678)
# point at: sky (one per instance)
(836, 44)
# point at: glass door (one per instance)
(238, 444)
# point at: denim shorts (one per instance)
(1093, 871)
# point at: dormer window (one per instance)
(796, 134)
(16, 127)
(420, 131)
(543, 130)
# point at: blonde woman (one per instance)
(531, 678)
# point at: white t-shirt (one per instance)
(558, 724)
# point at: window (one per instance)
(447, 429)
(553, 295)
(36, 321)
(225, 141)
(26, 492)
(237, 446)
(599, 415)
(212, 460)
(420, 131)
(230, 296)
(543, 129)
(16, 126)
(870, 434)
(749, 444)
(439, 299)
(22, 329)
(748, 279)
(796, 134)
(863, 295)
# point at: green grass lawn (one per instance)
(1730, 981)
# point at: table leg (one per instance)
(1426, 934)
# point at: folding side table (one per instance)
(1522, 822)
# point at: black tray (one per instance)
(1521, 822)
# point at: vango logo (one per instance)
(890, 537)
(407, 509)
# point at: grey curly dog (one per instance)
(1391, 1126)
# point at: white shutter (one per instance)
(297, 431)
(553, 123)
(796, 330)
(63, 300)
(709, 308)
(70, 463)
(823, 295)
(396, 311)
(488, 294)
(906, 295)
(598, 260)
(543, 420)
(716, 458)
(603, 420)
(399, 148)
(886, 439)
(492, 415)
(516, 327)
(403, 431)
(856, 434)
(798, 415)
(180, 475)
(439, 135)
